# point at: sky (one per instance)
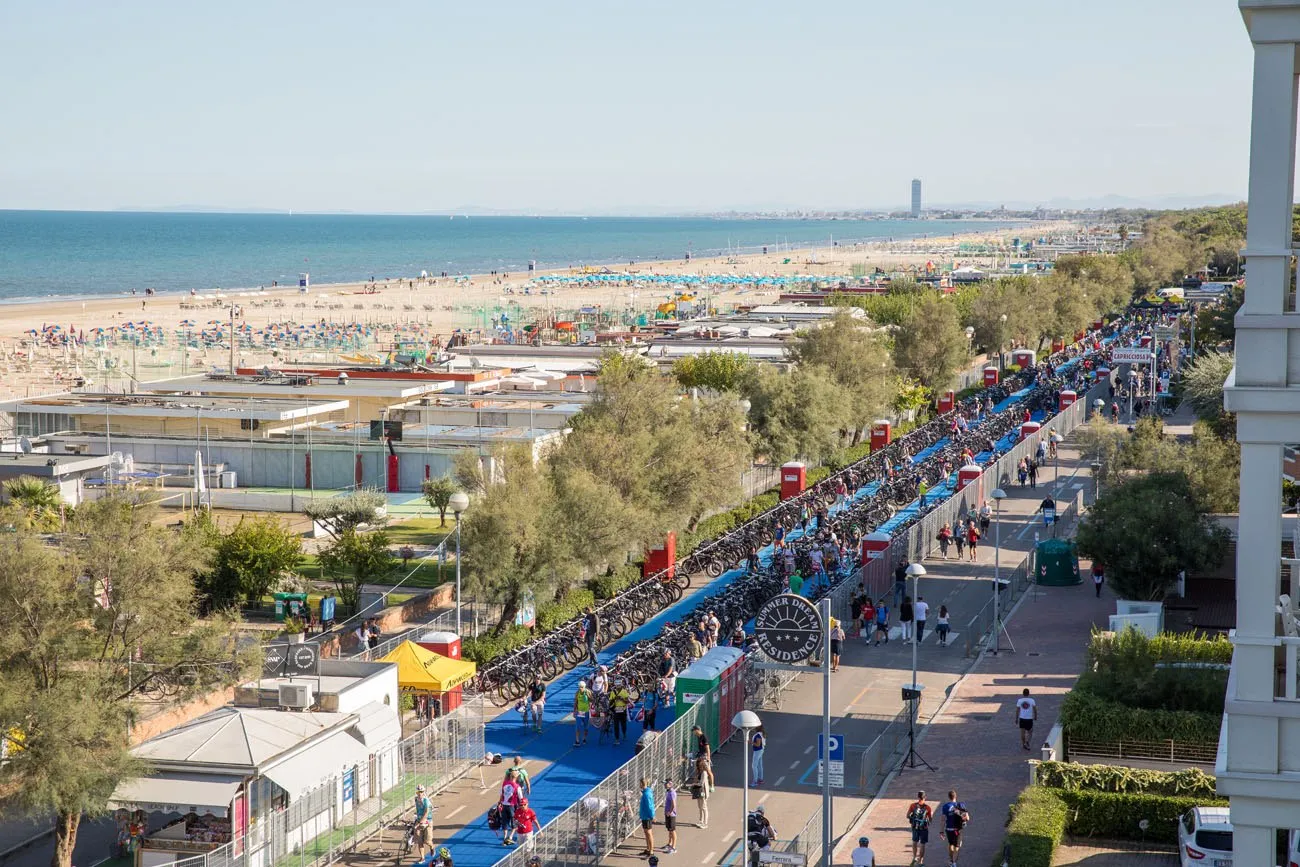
(616, 107)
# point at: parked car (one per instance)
(1205, 838)
(1293, 849)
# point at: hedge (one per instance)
(1190, 782)
(1091, 718)
(1042, 816)
(1115, 815)
(1169, 672)
(1037, 825)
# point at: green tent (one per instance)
(1057, 563)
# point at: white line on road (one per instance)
(766, 795)
(809, 750)
(707, 858)
(454, 812)
(729, 835)
(779, 780)
(794, 766)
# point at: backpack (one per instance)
(918, 818)
(494, 818)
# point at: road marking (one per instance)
(793, 766)
(779, 780)
(809, 750)
(766, 795)
(454, 812)
(727, 838)
(707, 858)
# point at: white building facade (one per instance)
(1258, 764)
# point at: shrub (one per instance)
(1038, 819)
(1115, 815)
(1089, 717)
(1189, 783)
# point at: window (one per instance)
(1216, 841)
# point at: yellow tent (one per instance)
(424, 670)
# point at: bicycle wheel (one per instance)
(550, 668)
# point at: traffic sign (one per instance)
(1166, 332)
(1131, 355)
(788, 628)
(793, 859)
(836, 760)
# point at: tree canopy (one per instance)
(438, 493)
(714, 370)
(857, 360)
(931, 344)
(340, 514)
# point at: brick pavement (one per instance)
(973, 742)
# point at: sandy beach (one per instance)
(423, 309)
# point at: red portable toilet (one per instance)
(874, 546)
(1028, 428)
(991, 375)
(1097, 324)
(967, 474)
(882, 434)
(1058, 345)
(442, 643)
(794, 478)
(1145, 340)
(946, 401)
(1103, 373)
(661, 558)
(1024, 358)
(1068, 397)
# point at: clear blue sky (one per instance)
(409, 105)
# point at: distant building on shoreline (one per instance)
(916, 198)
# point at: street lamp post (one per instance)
(1099, 407)
(912, 692)
(747, 721)
(1056, 440)
(459, 503)
(998, 496)
(1002, 325)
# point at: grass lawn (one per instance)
(419, 531)
(428, 573)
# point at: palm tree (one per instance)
(38, 501)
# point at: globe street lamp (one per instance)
(747, 721)
(1056, 440)
(459, 502)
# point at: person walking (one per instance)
(1022, 471)
(591, 632)
(837, 643)
(1026, 714)
(986, 517)
(521, 776)
(868, 620)
(650, 707)
(972, 538)
(921, 611)
(757, 743)
(670, 815)
(1098, 577)
(900, 580)
(955, 817)
(941, 626)
(945, 538)
(959, 536)
(536, 703)
(619, 701)
(647, 814)
(1033, 473)
(905, 614)
(581, 714)
(919, 815)
(509, 800)
(525, 824)
(882, 622)
(923, 488)
(702, 787)
(422, 830)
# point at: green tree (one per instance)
(717, 371)
(931, 345)
(1145, 530)
(795, 415)
(337, 515)
(1016, 298)
(857, 360)
(251, 559)
(38, 503)
(515, 539)
(1216, 324)
(354, 559)
(438, 493)
(93, 625)
(1202, 387)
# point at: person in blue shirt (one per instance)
(955, 816)
(648, 816)
(650, 707)
(882, 621)
(422, 835)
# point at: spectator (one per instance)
(525, 823)
(757, 743)
(905, 614)
(945, 538)
(941, 626)
(882, 622)
(1098, 577)
(920, 611)
(862, 856)
(511, 797)
(868, 619)
(702, 787)
(591, 632)
(647, 813)
(670, 815)
(972, 538)
(919, 815)
(521, 776)
(1026, 714)
(837, 643)
(955, 817)
(649, 708)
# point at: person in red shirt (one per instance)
(525, 822)
(868, 619)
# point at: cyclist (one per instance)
(421, 831)
(443, 858)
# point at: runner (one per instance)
(919, 815)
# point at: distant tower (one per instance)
(916, 198)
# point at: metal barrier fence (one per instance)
(884, 753)
(317, 826)
(476, 618)
(600, 820)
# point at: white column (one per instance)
(1259, 545)
(1251, 845)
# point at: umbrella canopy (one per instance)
(421, 669)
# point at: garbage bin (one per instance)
(1057, 563)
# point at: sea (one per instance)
(86, 254)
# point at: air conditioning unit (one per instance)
(295, 695)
